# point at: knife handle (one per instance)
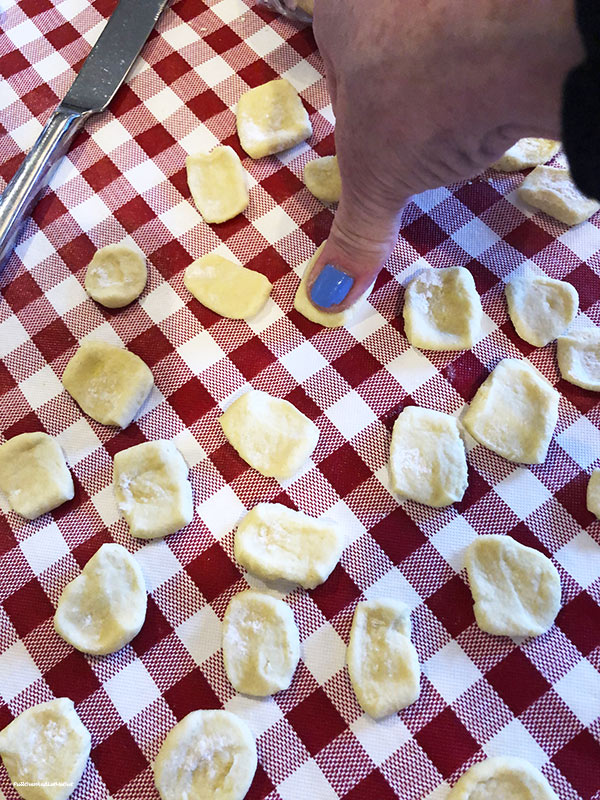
(33, 175)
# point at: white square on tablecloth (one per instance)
(228, 10)
(44, 547)
(144, 176)
(12, 335)
(189, 447)
(583, 240)
(91, 212)
(71, 8)
(327, 113)
(352, 527)
(302, 75)
(393, 584)
(451, 671)
(215, 69)
(65, 171)
(581, 558)
(581, 441)
(221, 512)
(411, 369)
(264, 41)
(275, 225)
(431, 198)
(103, 333)
(259, 713)
(93, 35)
(515, 740)
(201, 634)
(66, 295)
(51, 66)
(365, 322)
(269, 314)
(17, 671)
(307, 781)
(23, 33)
(181, 219)
(161, 303)
(26, 134)
(158, 563)
(201, 352)
(131, 690)
(452, 541)
(199, 140)
(78, 441)
(40, 387)
(8, 96)
(163, 104)
(180, 36)
(111, 135)
(380, 738)
(580, 689)
(324, 653)
(35, 249)
(105, 504)
(350, 414)
(522, 492)
(475, 237)
(303, 361)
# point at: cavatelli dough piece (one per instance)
(593, 494)
(541, 308)
(527, 153)
(218, 185)
(116, 275)
(226, 288)
(502, 778)
(579, 358)
(552, 191)
(322, 178)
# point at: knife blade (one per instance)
(101, 75)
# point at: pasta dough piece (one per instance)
(269, 434)
(227, 288)
(152, 489)
(109, 383)
(502, 778)
(116, 275)
(217, 182)
(103, 608)
(273, 541)
(271, 118)
(328, 319)
(382, 661)
(579, 358)
(516, 589)
(261, 643)
(209, 755)
(442, 310)
(527, 153)
(34, 475)
(322, 178)
(514, 412)
(593, 494)
(541, 308)
(427, 457)
(46, 744)
(552, 191)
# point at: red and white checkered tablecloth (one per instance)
(125, 177)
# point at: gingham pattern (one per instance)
(125, 177)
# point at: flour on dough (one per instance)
(226, 288)
(427, 457)
(552, 191)
(516, 589)
(382, 661)
(209, 755)
(593, 494)
(527, 153)
(273, 541)
(269, 434)
(261, 643)
(271, 118)
(46, 744)
(502, 778)
(579, 358)
(107, 382)
(442, 310)
(152, 489)
(34, 475)
(514, 412)
(541, 308)
(116, 275)
(322, 178)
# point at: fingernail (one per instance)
(331, 287)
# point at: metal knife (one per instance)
(101, 75)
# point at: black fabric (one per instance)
(581, 105)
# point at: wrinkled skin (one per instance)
(428, 92)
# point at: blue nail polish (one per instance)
(331, 286)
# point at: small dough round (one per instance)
(116, 275)
(218, 184)
(322, 178)
(540, 308)
(502, 778)
(516, 589)
(552, 190)
(274, 541)
(525, 153)
(103, 608)
(209, 755)
(593, 494)
(46, 744)
(382, 661)
(226, 288)
(261, 643)
(579, 358)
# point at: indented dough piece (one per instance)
(514, 412)
(217, 182)
(271, 118)
(306, 5)
(227, 288)
(116, 275)
(273, 541)
(579, 358)
(322, 178)
(427, 457)
(502, 778)
(103, 608)
(46, 744)
(152, 489)
(552, 191)
(261, 643)
(541, 308)
(442, 310)
(527, 153)
(516, 589)
(209, 755)
(34, 475)
(593, 494)
(269, 434)
(108, 382)
(303, 305)
(382, 661)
